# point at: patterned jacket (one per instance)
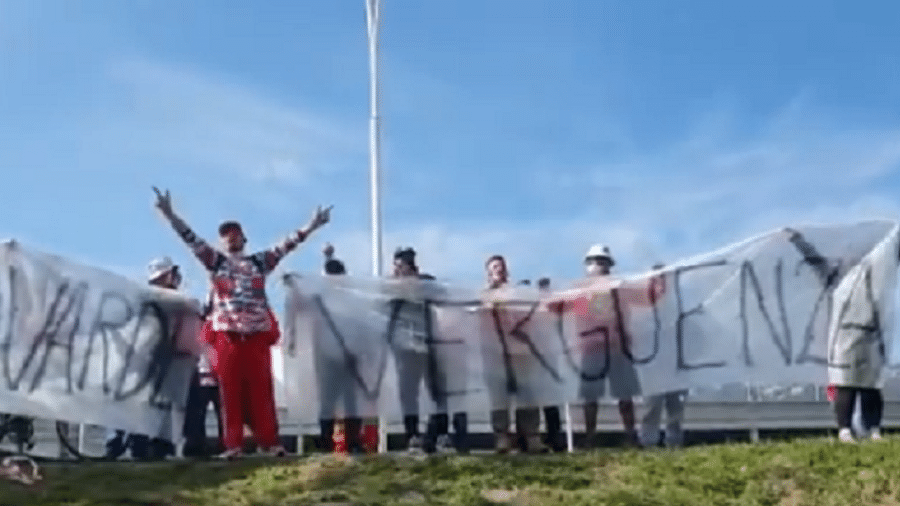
(239, 302)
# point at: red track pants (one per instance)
(244, 367)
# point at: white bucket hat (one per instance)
(159, 267)
(600, 251)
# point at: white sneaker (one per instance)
(845, 435)
(443, 444)
(875, 435)
(232, 454)
(414, 445)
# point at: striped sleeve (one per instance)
(207, 255)
(271, 257)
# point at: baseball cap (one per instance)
(228, 226)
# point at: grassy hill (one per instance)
(811, 471)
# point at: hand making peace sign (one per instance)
(320, 217)
(163, 201)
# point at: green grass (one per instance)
(812, 471)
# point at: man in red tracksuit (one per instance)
(242, 326)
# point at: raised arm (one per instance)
(271, 257)
(207, 255)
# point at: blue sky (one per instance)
(529, 128)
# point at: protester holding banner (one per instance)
(673, 402)
(162, 273)
(417, 362)
(552, 418)
(243, 324)
(602, 310)
(204, 390)
(506, 386)
(334, 370)
(858, 342)
(857, 360)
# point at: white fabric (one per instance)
(87, 346)
(762, 311)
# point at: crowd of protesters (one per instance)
(234, 372)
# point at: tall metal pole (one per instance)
(373, 20)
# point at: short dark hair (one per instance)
(407, 256)
(228, 226)
(544, 283)
(335, 267)
(495, 257)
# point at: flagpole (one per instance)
(373, 23)
(373, 20)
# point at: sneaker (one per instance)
(502, 443)
(443, 444)
(535, 445)
(875, 435)
(632, 440)
(845, 435)
(233, 454)
(277, 451)
(414, 445)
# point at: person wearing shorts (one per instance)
(603, 349)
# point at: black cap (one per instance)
(406, 254)
(335, 267)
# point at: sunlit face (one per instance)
(597, 266)
(233, 240)
(496, 271)
(403, 269)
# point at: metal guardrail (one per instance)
(699, 416)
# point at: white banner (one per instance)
(810, 305)
(87, 346)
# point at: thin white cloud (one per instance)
(211, 121)
(794, 170)
(709, 190)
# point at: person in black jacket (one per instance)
(417, 362)
(336, 384)
(204, 390)
(552, 418)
